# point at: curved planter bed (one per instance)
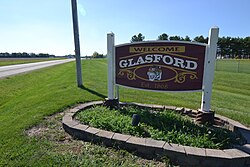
(179, 154)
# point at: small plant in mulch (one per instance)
(162, 125)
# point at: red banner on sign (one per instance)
(160, 66)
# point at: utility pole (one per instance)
(77, 44)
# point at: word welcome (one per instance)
(157, 58)
(158, 49)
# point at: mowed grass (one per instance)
(13, 61)
(25, 100)
(233, 65)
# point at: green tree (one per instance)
(223, 46)
(137, 38)
(97, 55)
(163, 36)
(201, 39)
(177, 38)
(246, 47)
(187, 38)
(232, 47)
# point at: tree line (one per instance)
(228, 47)
(43, 55)
(25, 55)
(98, 55)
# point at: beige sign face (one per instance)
(160, 66)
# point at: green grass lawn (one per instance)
(13, 61)
(25, 100)
(233, 65)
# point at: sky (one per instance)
(45, 26)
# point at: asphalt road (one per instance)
(6, 71)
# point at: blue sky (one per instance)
(45, 26)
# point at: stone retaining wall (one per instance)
(181, 155)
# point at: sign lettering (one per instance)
(157, 49)
(160, 66)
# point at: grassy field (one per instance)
(27, 99)
(12, 61)
(233, 65)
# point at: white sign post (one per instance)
(209, 69)
(206, 50)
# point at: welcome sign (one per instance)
(160, 66)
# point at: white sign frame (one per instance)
(208, 75)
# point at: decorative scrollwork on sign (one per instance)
(181, 77)
(130, 74)
(193, 76)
